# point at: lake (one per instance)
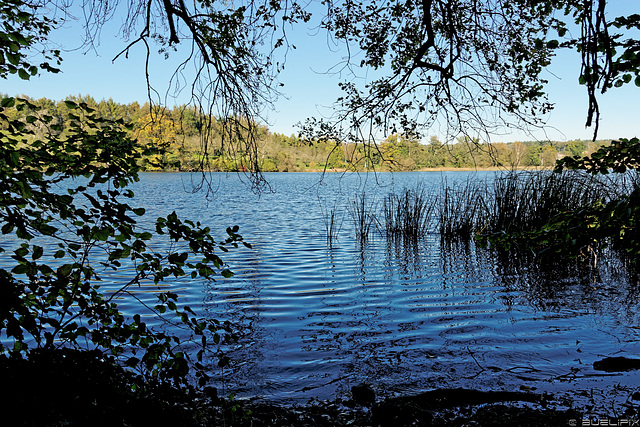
(317, 319)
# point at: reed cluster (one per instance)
(363, 213)
(528, 200)
(509, 202)
(462, 209)
(407, 215)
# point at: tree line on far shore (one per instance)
(171, 140)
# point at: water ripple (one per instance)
(316, 320)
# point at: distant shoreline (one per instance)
(439, 169)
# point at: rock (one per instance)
(363, 395)
(616, 364)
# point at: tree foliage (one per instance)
(170, 141)
(158, 134)
(466, 64)
(590, 227)
(64, 199)
(231, 46)
(467, 67)
(23, 30)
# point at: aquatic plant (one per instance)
(408, 214)
(332, 224)
(462, 209)
(527, 200)
(362, 212)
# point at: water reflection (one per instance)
(409, 315)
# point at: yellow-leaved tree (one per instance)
(161, 148)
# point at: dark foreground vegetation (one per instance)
(82, 388)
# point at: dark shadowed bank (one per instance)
(78, 388)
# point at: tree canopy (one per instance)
(468, 67)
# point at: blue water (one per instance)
(317, 318)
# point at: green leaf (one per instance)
(65, 270)
(71, 105)
(59, 254)
(37, 252)
(8, 102)
(7, 228)
(20, 269)
(226, 273)
(21, 252)
(23, 74)
(102, 234)
(145, 236)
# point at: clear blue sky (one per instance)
(309, 89)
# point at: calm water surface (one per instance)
(319, 319)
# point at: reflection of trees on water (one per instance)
(553, 283)
(239, 301)
(387, 311)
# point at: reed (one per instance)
(408, 214)
(527, 200)
(362, 212)
(332, 224)
(462, 210)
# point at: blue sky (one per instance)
(309, 89)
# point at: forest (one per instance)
(171, 140)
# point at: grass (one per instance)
(526, 200)
(462, 210)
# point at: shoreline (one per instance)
(439, 169)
